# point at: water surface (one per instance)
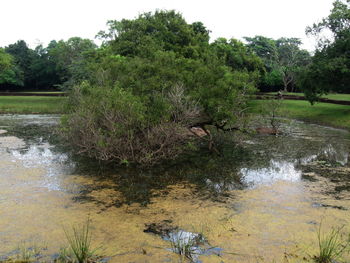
(257, 204)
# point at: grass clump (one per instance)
(79, 248)
(186, 245)
(26, 254)
(331, 246)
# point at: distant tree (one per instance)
(330, 67)
(44, 69)
(9, 72)
(283, 59)
(236, 55)
(69, 58)
(24, 57)
(290, 60)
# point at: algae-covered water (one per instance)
(262, 202)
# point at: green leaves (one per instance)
(330, 68)
(9, 72)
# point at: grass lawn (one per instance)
(328, 96)
(31, 104)
(320, 113)
(41, 92)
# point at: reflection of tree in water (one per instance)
(205, 172)
(215, 176)
(210, 175)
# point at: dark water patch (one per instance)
(317, 205)
(163, 228)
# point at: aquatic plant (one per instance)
(331, 246)
(185, 244)
(79, 248)
(26, 254)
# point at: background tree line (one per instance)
(281, 63)
(63, 63)
(42, 68)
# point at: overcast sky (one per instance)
(39, 21)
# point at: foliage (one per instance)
(283, 59)
(9, 73)
(236, 55)
(167, 84)
(23, 57)
(110, 123)
(272, 110)
(62, 62)
(150, 32)
(330, 68)
(70, 58)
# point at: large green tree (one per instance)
(283, 59)
(9, 72)
(70, 58)
(330, 68)
(161, 30)
(23, 57)
(153, 80)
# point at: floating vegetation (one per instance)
(25, 253)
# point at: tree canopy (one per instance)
(153, 80)
(9, 73)
(330, 67)
(283, 60)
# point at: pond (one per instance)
(264, 201)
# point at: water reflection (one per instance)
(277, 170)
(261, 160)
(41, 156)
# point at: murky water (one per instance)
(261, 203)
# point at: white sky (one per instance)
(39, 21)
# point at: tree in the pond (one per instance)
(154, 80)
(330, 67)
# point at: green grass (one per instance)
(337, 96)
(320, 113)
(33, 92)
(184, 245)
(328, 96)
(31, 104)
(331, 246)
(79, 248)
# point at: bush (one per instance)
(113, 124)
